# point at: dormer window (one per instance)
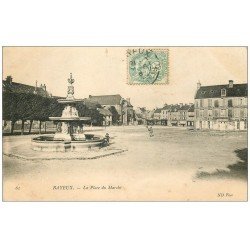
(223, 92)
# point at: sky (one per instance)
(103, 71)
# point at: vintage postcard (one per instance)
(125, 123)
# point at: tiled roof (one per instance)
(157, 111)
(23, 88)
(214, 91)
(174, 108)
(107, 99)
(143, 110)
(177, 107)
(166, 107)
(90, 103)
(184, 107)
(104, 112)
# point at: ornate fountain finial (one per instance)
(70, 87)
(71, 80)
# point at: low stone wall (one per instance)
(47, 144)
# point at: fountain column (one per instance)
(69, 113)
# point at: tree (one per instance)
(26, 106)
(115, 115)
(23, 106)
(10, 108)
(90, 110)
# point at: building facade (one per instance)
(174, 115)
(183, 114)
(140, 116)
(221, 107)
(122, 106)
(164, 113)
(177, 115)
(157, 116)
(190, 118)
(106, 116)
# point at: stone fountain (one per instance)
(69, 135)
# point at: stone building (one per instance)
(106, 116)
(164, 113)
(122, 106)
(174, 115)
(140, 116)
(183, 114)
(221, 107)
(177, 115)
(157, 116)
(190, 117)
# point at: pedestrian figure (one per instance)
(151, 132)
(106, 139)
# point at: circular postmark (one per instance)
(147, 67)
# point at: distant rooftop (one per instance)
(214, 91)
(110, 100)
(184, 107)
(158, 110)
(15, 87)
(107, 99)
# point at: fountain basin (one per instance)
(50, 144)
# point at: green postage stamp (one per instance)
(148, 66)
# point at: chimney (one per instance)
(43, 87)
(181, 104)
(231, 84)
(198, 85)
(9, 79)
(128, 100)
(35, 91)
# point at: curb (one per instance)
(60, 158)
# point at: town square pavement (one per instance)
(176, 164)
